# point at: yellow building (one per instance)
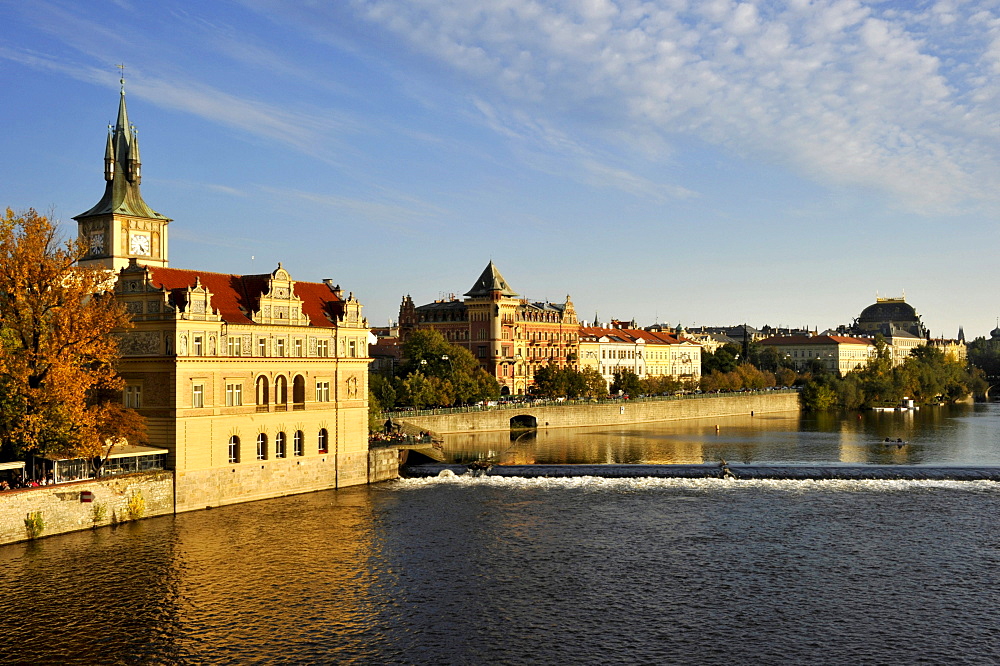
(645, 353)
(511, 337)
(255, 384)
(838, 353)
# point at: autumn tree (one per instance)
(58, 353)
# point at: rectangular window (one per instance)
(197, 395)
(298, 348)
(235, 345)
(281, 348)
(352, 348)
(262, 347)
(322, 391)
(133, 397)
(234, 395)
(199, 345)
(323, 348)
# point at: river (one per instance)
(463, 570)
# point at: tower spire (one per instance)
(122, 169)
(122, 227)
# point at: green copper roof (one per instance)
(122, 173)
(490, 281)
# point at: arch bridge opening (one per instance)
(523, 422)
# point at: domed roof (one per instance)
(889, 310)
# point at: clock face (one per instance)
(97, 243)
(139, 244)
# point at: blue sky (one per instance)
(704, 162)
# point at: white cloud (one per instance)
(852, 93)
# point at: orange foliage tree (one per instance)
(59, 384)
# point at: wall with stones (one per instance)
(62, 511)
(618, 413)
(251, 481)
(383, 464)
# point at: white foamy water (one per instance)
(705, 484)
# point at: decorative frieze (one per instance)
(139, 343)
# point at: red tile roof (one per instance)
(236, 296)
(815, 340)
(632, 335)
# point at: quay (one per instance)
(615, 411)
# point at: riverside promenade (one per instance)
(615, 411)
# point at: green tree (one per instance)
(597, 387)
(724, 359)
(381, 387)
(926, 376)
(449, 374)
(627, 382)
(985, 355)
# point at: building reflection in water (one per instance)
(234, 580)
(786, 438)
(740, 438)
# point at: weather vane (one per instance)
(121, 67)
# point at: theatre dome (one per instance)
(888, 315)
(889, 310)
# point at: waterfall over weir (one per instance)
(718, 471)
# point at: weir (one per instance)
(717, 471)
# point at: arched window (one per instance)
(279, 445)
(323, 441)
(299, 392)
(261, 446)
(234, 449)
(263, 394)
(280, 393)
(298, 446)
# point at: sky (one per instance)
(702, 162)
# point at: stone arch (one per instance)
(263, 391)
(299, 390)
(280, 390)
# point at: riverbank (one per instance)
(33, 513)
(618, 412)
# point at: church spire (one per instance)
(122, 171)
(121, 227)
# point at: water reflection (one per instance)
(962, 434)
(168, 589)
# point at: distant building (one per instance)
(887, 316)
(512, 337)
(645, 353)
(710, 342)
(839, 354)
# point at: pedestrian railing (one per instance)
(530, 404)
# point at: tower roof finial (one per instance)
(121, 80)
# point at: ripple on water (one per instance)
(507, 570)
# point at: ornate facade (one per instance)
(645, 353)
(256, 384)
(511, 336)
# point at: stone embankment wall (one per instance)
(115, 499)
(383, 464)
(617, 413)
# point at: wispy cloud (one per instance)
(400, 213)
(903, 100)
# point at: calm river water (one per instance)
(539, 571)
